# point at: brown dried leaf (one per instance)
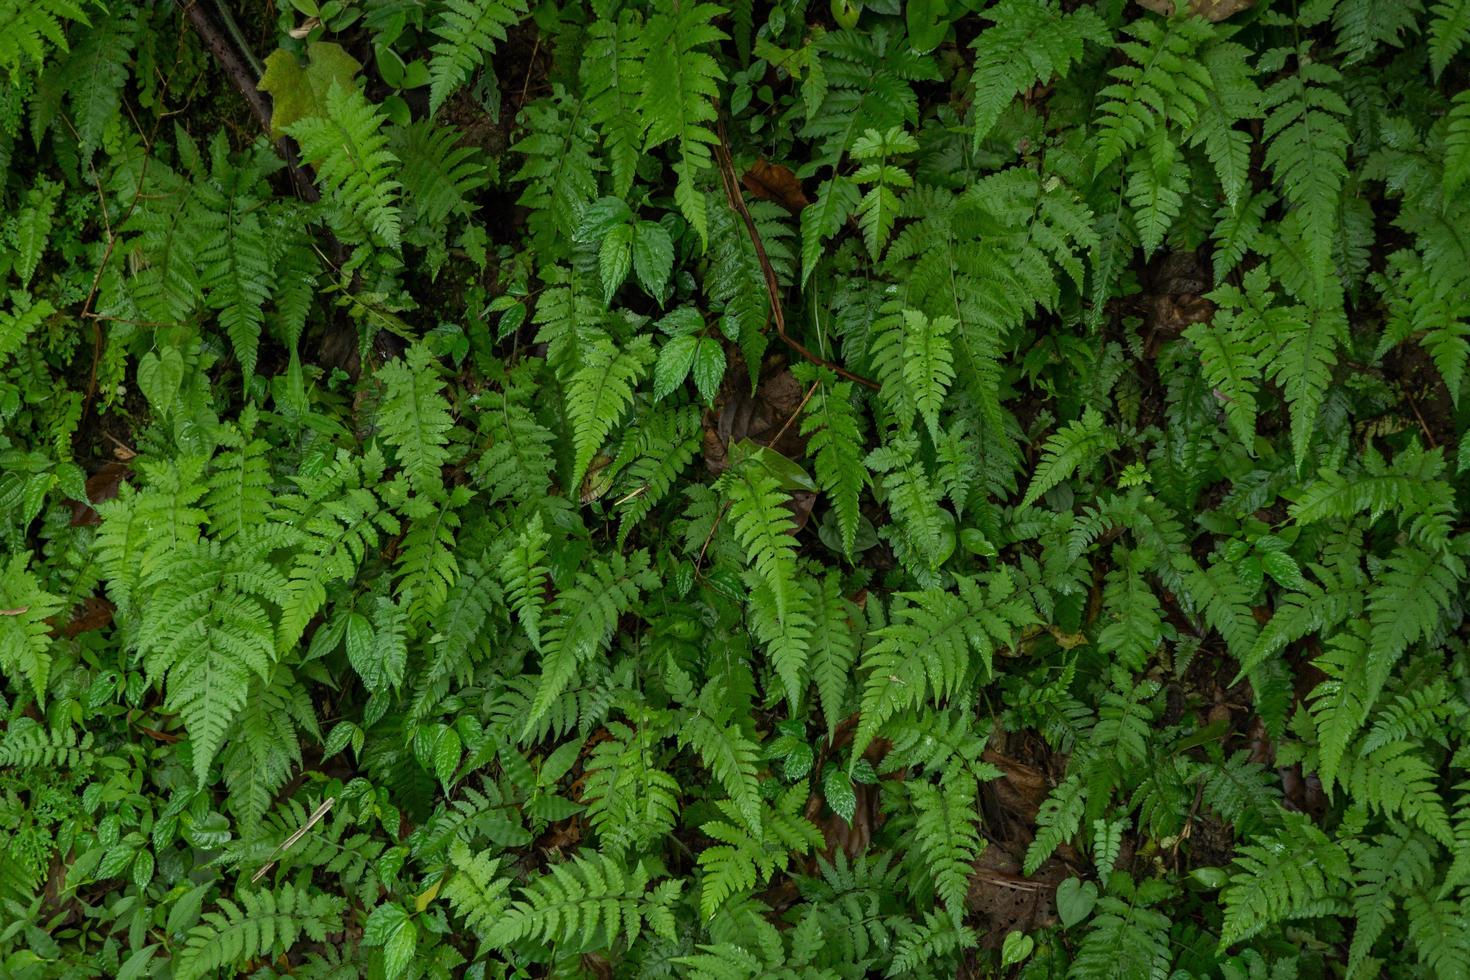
(93, 614)
(774, 182)
(101, 486)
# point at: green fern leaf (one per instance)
(834, 646)
(1449, 29)
(349, 151)
(475, 889)
(582, 623)
(1303, 368)
(680, 85)
(833, 429)
(524, 574)
(836, 201)
(468, 31)
(585, 904)
(600, 392)
(1457, 138)
(947, 833)
(1229, 356)
(29, 30)
(1030, 42)
(414, 418)
(439, 173)
(1058, 820)
(263, 924)
(732, 758)
(25, 635)
(207, 628)
(936, 644)
(1307, 153)
(764, 528)
(612, 78)
(1298, 872)
(1074, 446)
(1165, 85)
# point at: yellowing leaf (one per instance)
(300, 90)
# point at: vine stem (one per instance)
(773, 288)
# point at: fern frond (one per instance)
(1306, 150)
(1449, 29)
(349, 151)
(524, 574)
(559, 171)
(29, 29)
(1029, 42)
(468, 31)
(1395, 779)
(235, 251)
(414, 418)
(947, 833)
(921, 532)
(665, 444)
(264, 749)
(476, 889)
(25, 635)
(837, 200)
(207, 629)
(1230, 360)
(1298, 872)
(834, 646)
(631, 802)
(1413, 591)
(239, 494)
(1385, 868)
(751, 852)
(1058, 820)
(590, 902)
(1165, 84)
(926, 651)
(1074, 446)
(764, 528)
(439, 174)
(731, 756)
(1233, 98)
(15, 326)
(600, 392)
(680, 85)
(1125, 938)
(1457, 136)
(582, 623)
(833, 429)
(1303, 367)
(263, 924)
(612, 78)
(339, 520)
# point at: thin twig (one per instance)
(289, 842)
(782, 431)
(710, 536)
(773, 287)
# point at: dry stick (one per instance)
(289, 842)
(773, 288)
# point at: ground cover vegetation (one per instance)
(658, 488)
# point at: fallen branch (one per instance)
(773, 288)
(244, 79)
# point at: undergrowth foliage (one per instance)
(736, 489)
